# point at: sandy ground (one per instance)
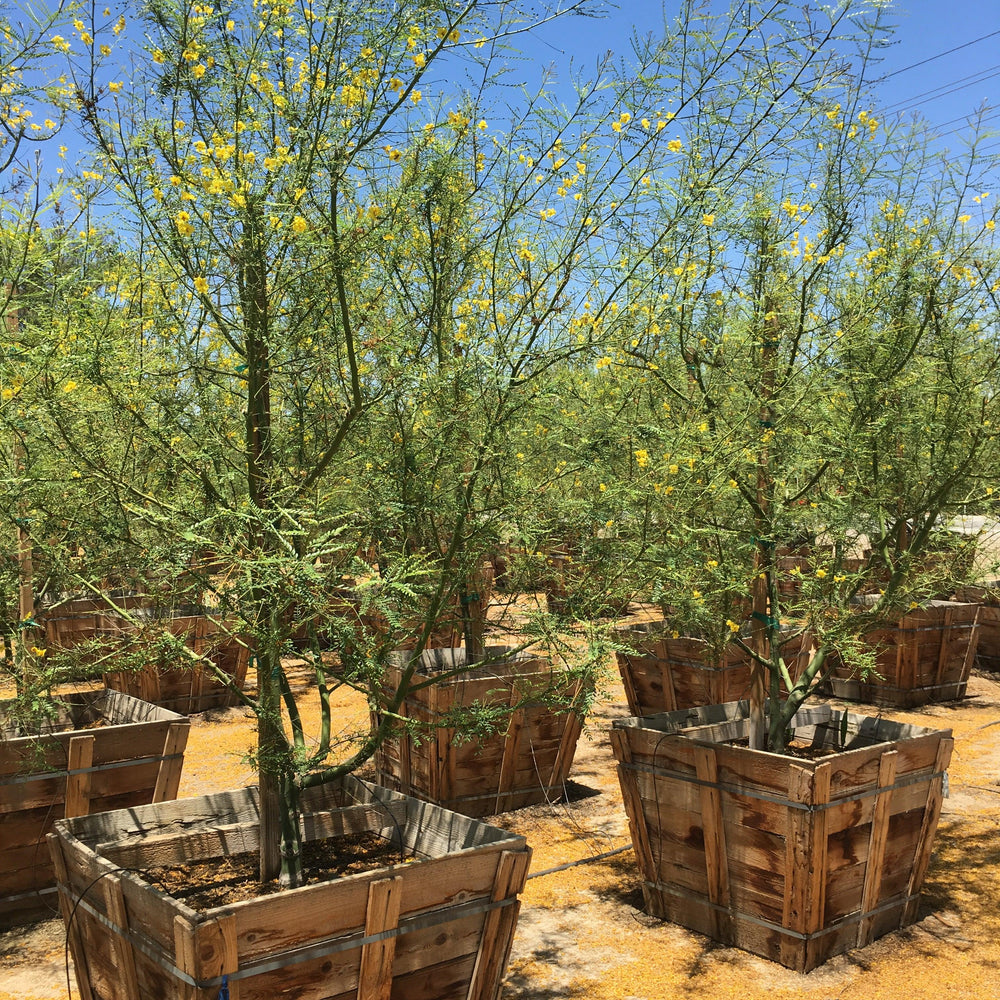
(582, 932)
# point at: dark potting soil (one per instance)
(804, 751)
(209, 882)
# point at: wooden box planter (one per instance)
(664, 674)
(793, 859)
(926, 657)
(194, 687)
(438, 927)
(188, 689)
(524, 765)
(104, 751)
(987, 596)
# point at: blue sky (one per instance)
(945, 89)
(922, 75)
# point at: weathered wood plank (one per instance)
(375, 975)
(876, 847)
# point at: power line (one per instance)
(939, 55)
(973, 78)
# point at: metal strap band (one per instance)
(851, 918)
(20, 779)
(660, 772)
(293, 956)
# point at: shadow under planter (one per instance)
(663, 673)
(794, 858)
(525, 763)
(438, 927)
(101, 750)
(926, 656)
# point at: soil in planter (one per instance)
(804, 751)
(209, 882)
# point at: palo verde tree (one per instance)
(814, 350)
(349, 286)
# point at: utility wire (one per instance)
(908, 103)
(939, 55)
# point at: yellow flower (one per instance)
(675, 145)
(115, 87)
(419, 60)
(964, 219)
(299, 225)
(820, 574)
(733, 627)
(199, 71)
(69, 386)
(200, 285)
(708, 219)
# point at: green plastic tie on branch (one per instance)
(765, 542)
(28, 623)
(470, 598)
(766, 423)
(767, 619)
(241, 368)
(23, 522)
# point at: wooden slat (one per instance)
(806, 860)
(186, 957)
(375, 976)
(876, 846)
(572, 727)
(168, 778)
(70, 920)
(633, 803)
(121, 943)
(81, 757)
(716, 857)
(511, 752)
(925, 842)
(498, 927)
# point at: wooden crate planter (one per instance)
(105, 751)
(186, 689)
(195, 686)
(661, 673)
(987, 596)
(526, 764)
(436, 928)
(793, 859)
(926, 657)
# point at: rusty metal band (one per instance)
(904, 782)
(20, 779)
(293, 956)
(900, 902)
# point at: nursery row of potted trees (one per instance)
(353, 340)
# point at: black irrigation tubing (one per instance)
(582, 861)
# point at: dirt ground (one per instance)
(582, 932)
